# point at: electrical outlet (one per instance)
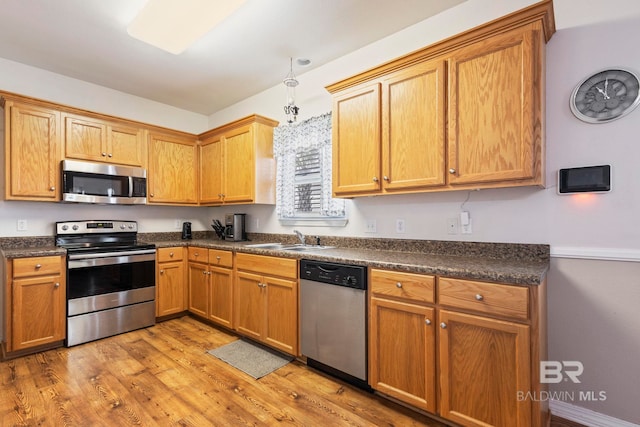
(400, 226)
(371, 226)
(466, 229)
(452, 225)
(178, 224)
(21, 225)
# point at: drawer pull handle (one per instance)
(38, 266)
(443, 325)
(398, 285)
(479, 297)
(218, 257)
(427, 321)
(171, 254)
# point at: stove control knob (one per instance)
(130, 226)
(350, 281)
(75, 227)
(65, 227)
(122, 226)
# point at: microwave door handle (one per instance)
(130, 186)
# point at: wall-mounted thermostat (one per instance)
(588, 179)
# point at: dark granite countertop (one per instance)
(519, 264)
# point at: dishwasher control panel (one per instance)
(351, 276)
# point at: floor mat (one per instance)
(251, 358)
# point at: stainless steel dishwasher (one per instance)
(333, 312)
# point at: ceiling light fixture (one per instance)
(173, 26)
(290, 82)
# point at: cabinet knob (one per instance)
(443, 325)
(171, 254)
(375, 179)
(209, 273)
(479, 297)
(204, 272)
(196, 254)
(56, 285)
(110, 155)
(452, 171)
(398, 285)
(151, 195)
(218, 257)
(161, 271)
(52, 188)
(104, 154)
(386, 178)
(427, 321)
(38, 266)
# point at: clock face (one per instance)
(605, 96)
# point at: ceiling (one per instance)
(246, 54)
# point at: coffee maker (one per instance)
(234, 227)
(186, 230)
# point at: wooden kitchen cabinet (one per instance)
(36, 296)
(211, 284)
(171, 281)
(236, 163)
(402, 325)
(266, 300)
(32, 151)
(102, 141)
(172, 176)
(464, 113)
(389, 136)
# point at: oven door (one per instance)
(99, 281)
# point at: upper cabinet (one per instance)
(236, 163)
(32, 151)
(97, 140)
(465, 113)
(172, 177)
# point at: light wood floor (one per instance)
(163, 376)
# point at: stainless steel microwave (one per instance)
(87, 182)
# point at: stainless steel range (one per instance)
(110, 279)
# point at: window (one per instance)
(303, 179)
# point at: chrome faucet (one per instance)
(300, 236)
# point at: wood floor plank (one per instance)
(163, 376)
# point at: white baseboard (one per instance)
(585, 416)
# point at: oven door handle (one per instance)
(111, 258)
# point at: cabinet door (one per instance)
(413, 127)
(125, 145)
(38, 311)
(494, 109)
(281, 329)
(211, 171)
(249, 304)
(356, 141)
(85, 139)
(239, 161)
(172, 171)
(170, 285)
(484, 363)
(402, 352)
(220, 296)
(198, 279)
(32, 154)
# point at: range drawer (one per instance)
(37, 266)
(410, 286)
(170, 254)
(272, 266)
(220, 258)
(483, 297)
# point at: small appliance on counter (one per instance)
(186, 231)
(235, 227)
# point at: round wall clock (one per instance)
(606, 95)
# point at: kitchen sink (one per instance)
(288, 247)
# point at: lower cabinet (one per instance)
(171, 289)
(484, 340)
(266, 300)
(36, 296)
(210, 278)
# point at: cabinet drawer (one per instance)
(170, 254)
(199, 254)
(414, 287)
(490, 298)
(220, 258)
(37, 266)
(272, 266)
